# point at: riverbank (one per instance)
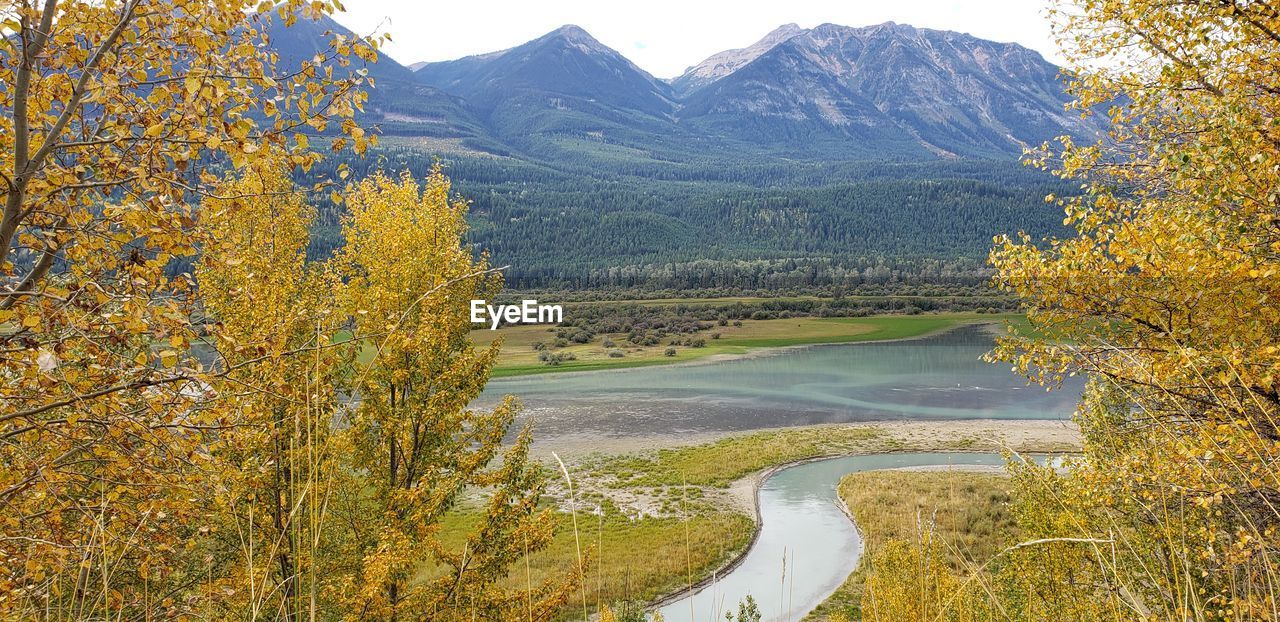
(798, 501)
(659, 513)
(669, 498)
(520, 354)
(1021, 436)
(709, 482)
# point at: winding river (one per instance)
(802, 520)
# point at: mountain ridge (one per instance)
(888, 89)
(953, 93)
(564, 61)
(882, 91)
(723, 63)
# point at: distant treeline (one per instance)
(938, 291)
(644, 225)
(630, 317)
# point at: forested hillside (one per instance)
(754, 224)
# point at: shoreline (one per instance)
(923, 435)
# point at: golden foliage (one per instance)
(412, 433)
(272, 318)
(1168, 297)
(180, 443)
(105, 425)
(911, 581)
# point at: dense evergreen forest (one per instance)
(766, 224)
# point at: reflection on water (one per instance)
(939, 377)
(795, 504)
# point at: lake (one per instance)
(938, 377)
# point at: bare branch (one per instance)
(37, 273)
(78, 92)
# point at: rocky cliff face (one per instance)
(948, 92)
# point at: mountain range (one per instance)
(889, 90)
(813, 156)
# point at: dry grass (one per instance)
(638, 550)
(968, 513)
(631, 559)
(721, 462)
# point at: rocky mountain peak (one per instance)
(724, 63)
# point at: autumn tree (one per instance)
(1168, 297)
(116, 118)
(409, 281)
(273, 319)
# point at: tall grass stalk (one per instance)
(577, 542)
(688, 553)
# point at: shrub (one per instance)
(669, 352)
(616, 354)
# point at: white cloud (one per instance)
(675, 33)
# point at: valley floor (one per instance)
(658, 512)
(519, 356)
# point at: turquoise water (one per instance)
(801, 521)
(939, 377)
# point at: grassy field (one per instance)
(630, 558)
(969, 514)
(720, 463)
(518, 356)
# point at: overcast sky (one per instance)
(664, 37)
